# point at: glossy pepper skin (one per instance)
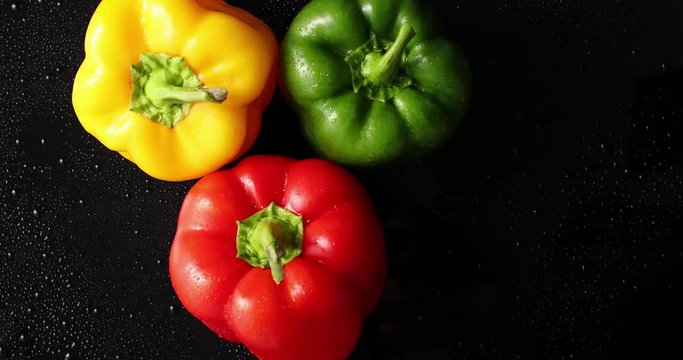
(331, 275)
(176, 123)
(357, 110)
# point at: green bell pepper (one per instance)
(373, 81)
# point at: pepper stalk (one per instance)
(165, 87)
(270, 238)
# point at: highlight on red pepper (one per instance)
(285, 256)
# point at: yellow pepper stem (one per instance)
(164, 88)
(161, 92)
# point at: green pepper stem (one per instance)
(161, 92)
(382, 70)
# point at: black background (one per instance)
(549, 227)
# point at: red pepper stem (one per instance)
(270, 245)
(270, 238)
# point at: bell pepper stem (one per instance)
(266, 234)
(383, 69)
(178, 95)
(270, 238)
(164, 88)
(161, 91)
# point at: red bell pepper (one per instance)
(285, 256)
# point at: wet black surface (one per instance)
(549, 227)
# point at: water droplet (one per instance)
(67, 356)
(42, 141)
(13, 6)
(61, 161)
(35, 212)
(14, 192)
(171, 309)
(22, 338)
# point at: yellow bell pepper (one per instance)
(178, 87)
